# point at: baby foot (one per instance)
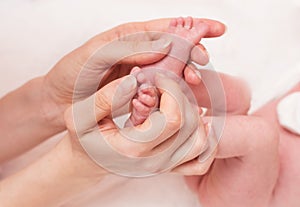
(145, 102)
(188, 29)
(185, 33)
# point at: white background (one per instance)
(261, 45)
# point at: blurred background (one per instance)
(261, 45)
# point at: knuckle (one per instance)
(135, 150)
(102, 101)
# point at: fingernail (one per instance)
(205, 57)
(161, 44)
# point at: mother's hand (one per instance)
(122, 41)
(166, 138)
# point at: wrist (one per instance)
(27, 119)
(53, 179)
(51, 111)
(76, 161)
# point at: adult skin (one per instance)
(44, 116)
(47, 97)
(67, 170)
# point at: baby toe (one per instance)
(140, 108)
(188, 22)
(173, 23)
(147, 100)
(180, 22)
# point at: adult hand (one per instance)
(47, 97)
(135, 41)
(168, 136)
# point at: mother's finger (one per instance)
(216, 28)
(199, 145)
(201, 156)
(199, 55)
(195, 167)
(191, 74)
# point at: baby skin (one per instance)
(184, 33)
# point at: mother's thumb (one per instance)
(84, 115)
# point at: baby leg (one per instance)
(185, 33)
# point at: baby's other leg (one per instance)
(184, 33)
